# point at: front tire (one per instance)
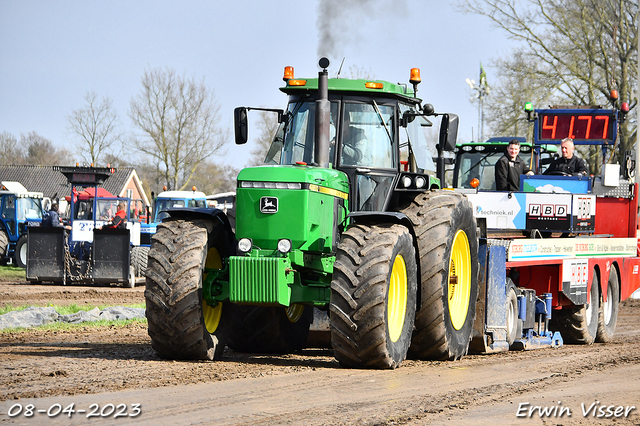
(373, 296)
(608, 314)
(180, 323)
(448, 247)
(21, 252)
(4, 243)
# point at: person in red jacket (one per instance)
(120, 219)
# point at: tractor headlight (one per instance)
(421, 182)
(284, 246)
(244, 245)
(406, 181)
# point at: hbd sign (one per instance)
(548, 210)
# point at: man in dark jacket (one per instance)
(52, 218)
(509, 168)
(569, 163)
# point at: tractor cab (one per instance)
(475, 161)
(376, 133)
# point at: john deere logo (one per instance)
(268, 205)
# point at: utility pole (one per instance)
(481, 90)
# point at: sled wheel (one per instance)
(579, 324)
(608, 315)
(512, 312)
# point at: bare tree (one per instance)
(580, 49)
(178, 119)
(41, 151)
(267, 126)
(95, 128)
(213, 178)
(10, 151)
(505, 112)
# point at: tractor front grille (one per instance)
(260, 280)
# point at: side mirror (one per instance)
(241, 125)
(448, 132)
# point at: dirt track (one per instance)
(117, 365)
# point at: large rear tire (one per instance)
(269, 329)
(446, 232)
(608, 315)
(21, 252)
(373, 296)
(181, 325)
(579, 324)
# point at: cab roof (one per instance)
(354, 86)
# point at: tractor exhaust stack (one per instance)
(323, 116)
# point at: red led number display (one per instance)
(575, 126)
(83, 177)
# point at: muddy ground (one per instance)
(85, 361)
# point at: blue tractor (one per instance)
(19, 209)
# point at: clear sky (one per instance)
(52, 52)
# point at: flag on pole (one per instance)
(483, 76)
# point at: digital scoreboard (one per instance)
(579, 125)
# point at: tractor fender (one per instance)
(190, 213)
(374, 218)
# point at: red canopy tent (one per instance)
(89, 193)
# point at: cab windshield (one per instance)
(367, 135)
(163, 205)
(480, 164)
(29, 208)
(294, 140)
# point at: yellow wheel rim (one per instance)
(459, 288)
(211, 314)
(294, 312)
(397, 300)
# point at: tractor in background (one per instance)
(474, 161)
(19, 210)
(91, 253)
(165, 200)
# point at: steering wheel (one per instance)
(558, 173)
(352, 153)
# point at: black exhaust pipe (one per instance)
(323, 116)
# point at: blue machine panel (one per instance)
(555, 184)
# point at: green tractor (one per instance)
(346, 216)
